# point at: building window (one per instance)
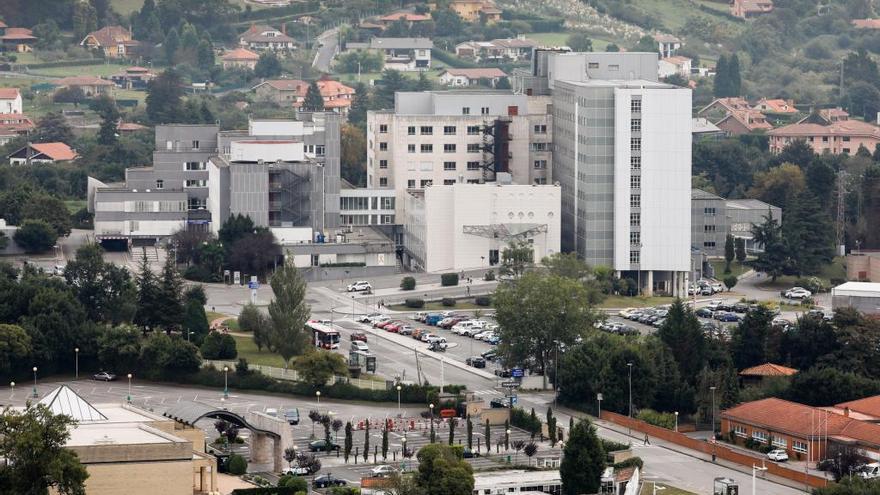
(845, 139)
(386, 203)
(195, 183)
(411, 130)
(465, 110)
(484, 111)
(426, 183)
(798, 446)
(709, 244)
(353, 203)
(759, 436)
(196, 204)
(387, 219)
(635, 145)
(160, 184)
(824, 139)
(635, 125)
(426, 130)
(740, 431)
(613, 67)
(635, 219)
(383, 163)
(593, 65)
(635, 182)
(540, 146)
(473, 130)
(635, 257)
(448, 182)
(195, 145)
(540, 164)
(449, 130)
(473, 148)
(846, 150)
(635, 238)
(449, 148)
(708, 228)
(411, 184)
(635, 106)
(709, 212)
(383, 146)
(191, 166)
(541, 181)
(635, 200)
(448, 165)
(473, 181)
(319, 150)
(541, 129)
(779, 442)
(635, 162)
(427, 148)
(410, 148)
(473, 165)
(383, 181)
(383, 128)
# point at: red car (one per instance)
(385, 324)
(394, 327)
(453, 322)
(359, 336)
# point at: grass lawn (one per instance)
(247, 349)
(634, 302)
(74, 205)
(130, 94)
(561, 39)
(99, 69)
(667, 490)
(736, 268)
(126, 7)
(436, 306)
(669, 13)
(835, 270)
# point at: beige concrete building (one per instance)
(132, 451)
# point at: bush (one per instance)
(448, 279)
(632, 461)
(36, 236)
(219, 346)
(448, 302)
(483, 300)
(489, 276)
(521, 419)
(652, 417)
(197, 273)
(237, 465)
(408, 283)
(415, 303)
(612, 446)
(297, 482)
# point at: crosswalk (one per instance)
(489, 392)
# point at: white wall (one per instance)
(275, 128)
(12, 105)
(267, 151)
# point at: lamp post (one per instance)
(398, 399)
(12, 384)
(630, 366)
(403, 441)
(318, 395)
(431, 407)
(226, 382)
(129, 388)
(755, 469)
(507, 439)
(599, 400)
(676, 421)
(76, 358)
(713, 410)
(35, 383)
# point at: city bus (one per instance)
(323, 335)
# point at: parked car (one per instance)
(706, 291)
(870, 471)
(417, 333)
(271, 411)
(438, 346)
(494, 339)
(405, 330)
(328, 480)
(433, 319)
(357, 345)
(489, 355)
(470, 454)
(369, 318)
(503, 373)
(485, 334)
(360, 286)
(297, 471)
(381, 323)
(499, 403)
(728, 317)
(361, 336)
(475, 361)
(797, 293)
(741, 308)
(104, 376)
(292, 416)
(420, 316)
(778, 455)
(713, 304)
(394, 327)
(780, 322)
(383, 471)
(431, 338)
(704, 313)
(322, 446)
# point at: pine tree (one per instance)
(205, 55)
(734, 77)
(84, 20)
(808, 234)
(147, 312)
(313, 102)
(470, 433)
(385, 443)
(583, 460)
(349, 441)
(740, 249)
(288, 311)
(721, 87)
(683, 335)
(171, 45)
(164, 94)
(488, 434)
(357, 114)
(551, 426)
(170, 292)
(366, 440)
(423, 83)
(452, 423)
(729, 252)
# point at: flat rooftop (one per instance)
(619, 83)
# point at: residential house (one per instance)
(866, 23)
(510, 49)
(842, 136)
(16, 39)
(90, 85)
(262, 37)
(863, 265)
(703, 129)
(240, 57)
(669, 66)
(13, 125)
(866, 409)
(667, 45)
(42, 153)
(775, 106)
(476, 10)
(825, 116)
(407, 17)
(746, 9)
(133, 78)
(757, 374)
(805, 432)
(471, 77)
(129, 128)
(292, 92)
(10, 100)
(112, 41)
(734, 116)
(403, 54)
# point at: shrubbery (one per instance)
(219, 346)
(652, 417)
(408, 283)
(449, 279)
(448, 302)
(483, 300)
(415, 303)
(521, 419)
(237, 465)
(489, 276)
(632, 461)
(612, 446)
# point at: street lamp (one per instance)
(35, 383)
(630, 366)
(676, 421)
(398, 398)
(76, 353)
(507, 439)
(713, 410)
(403, 441)
(318, 395)
(755, 469)
(12, 384)
(129, 388)
(431, 407)
(226, 382)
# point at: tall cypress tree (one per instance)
(583, 460)
(313, 102)
(721, 87)
(170, 292)
(148, 297)
(733, 76)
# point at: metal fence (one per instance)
(293, 375)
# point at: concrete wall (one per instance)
(316, 273)
(140, 478)
(863, 267)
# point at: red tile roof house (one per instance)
(262, 37)
(844, 136)
(90, 85)
(746, 9)
(292, 92)
(42, 153)
(805, 432)
(756, 374)
(240, 57)
(112, 41)
(735, 116)
(471, 77)
(13, 125)
(16, 39)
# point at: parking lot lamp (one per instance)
(318, 395)
(226, 382)
(12, 384)
(630, 366)
(35, 383)
(76, 353)
(129, 388)
(676, 421)
(713, 410)
(398, 398)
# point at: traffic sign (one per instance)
(516, 372)
(510, 384)
(253, 285)
(513, 401)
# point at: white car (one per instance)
(357, 345)
(714, 304)
(360, 286)
(777, 455)
(383, 471)
(434, 338)
(484, 335)
(870, 471)
(296, 471)
(798, 293)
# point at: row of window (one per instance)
(363, 203)
(709, 211)
(708, 228)
(635, 238)
(447, 148)
(365, 219)
(635, 257)
(762, 436)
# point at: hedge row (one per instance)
(451, 60)
(521, 419)
(67, 63)
(272, 13)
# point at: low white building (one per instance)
(10, 100)
(863, 296)
(467, 226)
(670, 66)
(518, 481)
(471, 76)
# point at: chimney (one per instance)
(846, 411)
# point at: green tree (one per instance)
(748, 342)
(423, 83)
(170, 292)
(447, 21)
(442, 471)
(740, 249)
(729, 252)
(268, 66)
(32, 443)
(487, 434)
(580, 42)
(195, 321)
(119, 348)
(164, 97)
(298, 483)
(171, 45)
(775, 260)
(205, 55)
(808, 234)
(218, 346)
(551, 427)
(35, 236)
(15, 348)
(53, 128)
(234, 228)
(682, 333)
(317, 367)
(84, 20)
(357, 114)
(105, 290)
(349, 440)
(537, 314)
(778, 185)
(734, 75)
(353, 151)
(384, 443)
(313, 101)
(722, 87)
(516, 258)
(289, 311)
(366, 439)
(148, 298)
(583, 460)
(820, 386)
(612, 47)
(249, 318)
(163, 356)
(646, 44)
(50, 209)
(392, 81)
(730, 282)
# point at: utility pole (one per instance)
(841, 215)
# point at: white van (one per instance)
(870, 471)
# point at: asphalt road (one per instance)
(328, 44)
